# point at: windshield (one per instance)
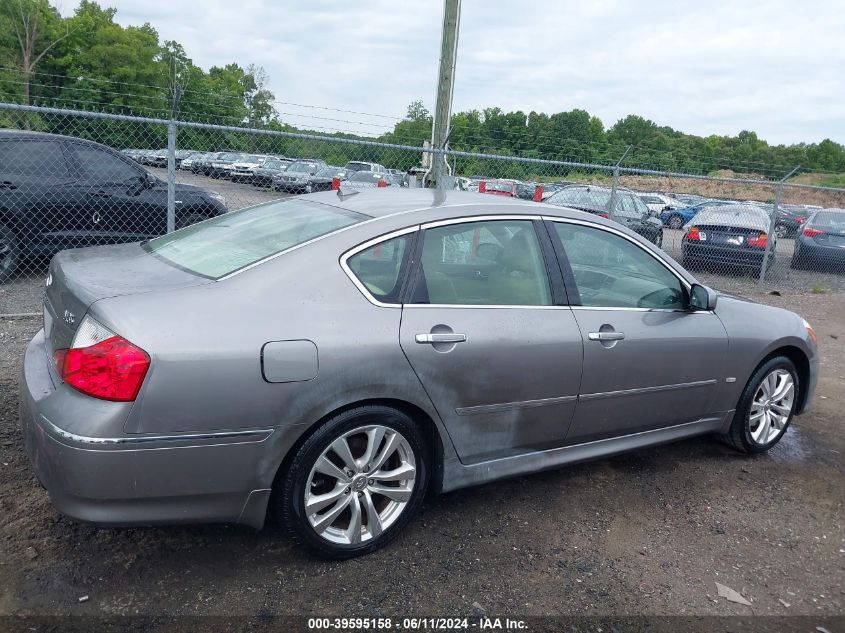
(330, 172)
(228, 156)
(299, 168)
(353, 166)
(229, 242)
(274, 164)
(598, 199)
(250, 158)
(830, 218)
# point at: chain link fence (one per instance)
(143, 177)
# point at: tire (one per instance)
(301, 475)
(187, 219)
(675, 222)
(799, 261)
(10, 253)
(658, 241)
(745, 434)
(781, 231)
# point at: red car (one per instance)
(498, 187)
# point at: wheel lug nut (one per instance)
(371, 481)
(350, 472)
(366, 469)
(347, 491)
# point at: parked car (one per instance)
(526, 190)
(244, 168)
(500, 187)
(322, 180)
(202, 165)
(141, 403)
(790, 219)
(295, 178)
(358, 165)
(659, 203)
(187, 162)
(821, 242)
(689, 199)
(60, 192)
(367, 179)
(220, 165)
(729, 236)
(272, 167)
(629, 210)
(677, 217)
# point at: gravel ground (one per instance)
(645, 533)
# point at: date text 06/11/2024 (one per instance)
(416, 624)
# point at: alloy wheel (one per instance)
(771, 407)
(360, 485)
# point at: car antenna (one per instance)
(343, 195)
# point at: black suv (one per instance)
(60, 192)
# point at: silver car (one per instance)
(327, 359)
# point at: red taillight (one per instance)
(112, 369)
(811, 232)
(758, 242)
(482, 187)
(800, 219)
(694, 235)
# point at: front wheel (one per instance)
(355, 483)
(765, 407)
(676, 222)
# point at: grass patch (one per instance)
(817, 288)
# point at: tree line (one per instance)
(88, 61)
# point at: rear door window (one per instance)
(492, 263)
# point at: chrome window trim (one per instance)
(344, 263)
(481, 218)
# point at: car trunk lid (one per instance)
(79, 277)
(728, 236)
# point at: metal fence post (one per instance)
(171, 176)
(612, 204)
(772, 226)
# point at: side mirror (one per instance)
(702, 298)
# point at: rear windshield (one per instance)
(229, 242)
(831, 218)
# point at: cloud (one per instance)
(706, 68)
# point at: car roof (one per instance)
(419, 204)
(41, 136)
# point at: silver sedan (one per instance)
(327, 359)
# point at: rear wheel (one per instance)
(676, 222)
(355, 483)
(766, 407)
(10, 253)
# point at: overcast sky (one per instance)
(714, 67)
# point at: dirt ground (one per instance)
(649, 532)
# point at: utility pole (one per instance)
(445, 88)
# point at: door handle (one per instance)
(606, 336)
(430, 339)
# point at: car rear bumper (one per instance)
(129, 479)
(814, 252)
(725, 255)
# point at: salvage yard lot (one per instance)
(648, 532)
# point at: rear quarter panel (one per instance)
(205, 344)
